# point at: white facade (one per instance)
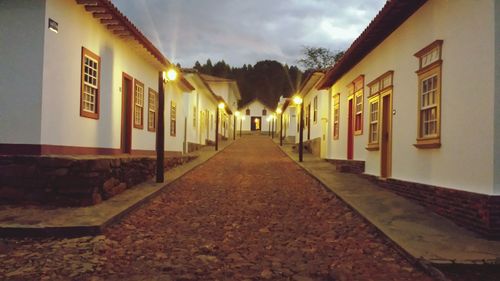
(469, 98)
(228, 91)
(21, 70)
(255, 110)
(44, 79)
(316, 114)
(202, 106)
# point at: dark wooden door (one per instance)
(126, 130)
(350, 132)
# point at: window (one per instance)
(264, 112)
(378, 87)
(374, 115)
(152, 106)
(90, 84)
(315, 108)
(138, 104)
(247, 112)
(429, 96)
(336, 116)
(195, 111)
(173, 118)
(357, 88)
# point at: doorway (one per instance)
(386, 137)
(350, 131)
(126, 126)
(255, 123)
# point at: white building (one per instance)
(82, 79)
(227, 90)
(256, 116)
(290, 119)
(202, 109)
(417, 98)
(316, 112)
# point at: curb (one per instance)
(419, 262)
(96, 229)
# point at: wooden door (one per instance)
(126, 124)
(386, 136)
(350, 131)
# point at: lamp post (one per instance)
(236, 115)
(241, 123)
(219, 107)
(298, 101)
(163, 77)
(280, 112)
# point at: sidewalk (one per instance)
(421, 233)
(92, 220)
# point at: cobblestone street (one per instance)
(249, 213)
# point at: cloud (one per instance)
(242, 31)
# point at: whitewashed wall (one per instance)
(22, 29)
(496, 170)
(256, 108)
(174, 93)
(208, 104)
(191, 106)
(316, 127)
(61, 120)
(465, 159)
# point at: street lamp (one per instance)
(220, 106)
(163, 77)
(298, 101)
(236, 115)
(241, 123)
(280, 112)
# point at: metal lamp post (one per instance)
(298, 101)
(163, 77)
(220, 106)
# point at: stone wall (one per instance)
(348, 166)
(73, 181)
(477, 212)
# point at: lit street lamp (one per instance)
(298, 101)
(220, 106)
(163, 77)
(280, 112)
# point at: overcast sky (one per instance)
(246, 31)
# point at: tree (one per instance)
(319, 57)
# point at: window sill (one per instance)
(428, 143)
(140, 127)
(372, 147)
(89, 115)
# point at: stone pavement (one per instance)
(421, 233)
(82, 221)
(249, 213)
